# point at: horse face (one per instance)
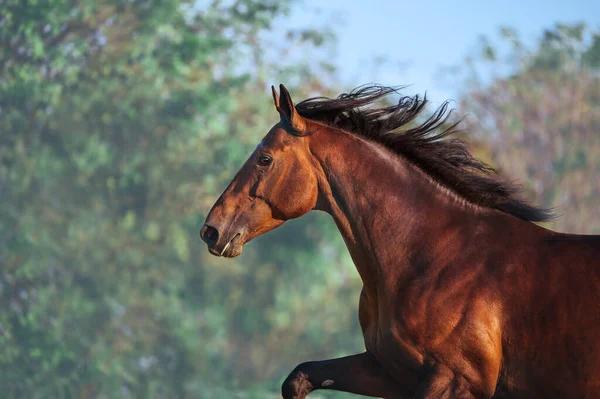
(277, 183)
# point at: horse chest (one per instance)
(384, 337)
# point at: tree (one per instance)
(537, 112)
(120, 122)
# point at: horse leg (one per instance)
(360, 374)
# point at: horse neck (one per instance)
(386, 209)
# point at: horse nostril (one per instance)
(209, 235)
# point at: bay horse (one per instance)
(463, 295)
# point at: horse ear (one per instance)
(275, 98)
(287, 110)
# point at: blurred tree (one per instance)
(537, 112)
(120, 123)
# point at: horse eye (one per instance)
(264, 160)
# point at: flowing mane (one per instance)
(427, 145)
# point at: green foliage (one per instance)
(538, 111)
(120, 123)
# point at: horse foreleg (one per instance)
(360, 374)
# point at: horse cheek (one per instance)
(301, 195)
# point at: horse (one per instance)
(464, 295)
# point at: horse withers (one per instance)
(463, 296)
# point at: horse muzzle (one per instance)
(227, 244)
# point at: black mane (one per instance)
(427, 145)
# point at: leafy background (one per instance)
(120, 124)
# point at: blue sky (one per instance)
(418, 38)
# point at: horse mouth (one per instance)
(232, 248)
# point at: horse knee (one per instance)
(297, 384)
